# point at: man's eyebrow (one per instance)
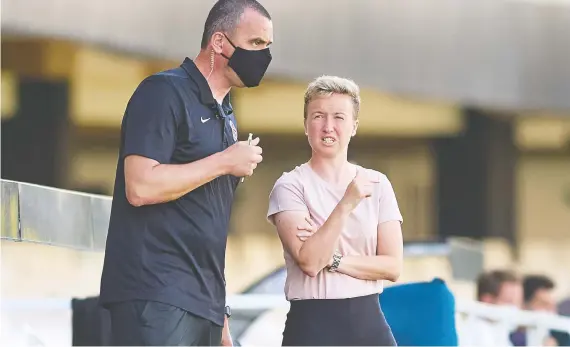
(260, 40)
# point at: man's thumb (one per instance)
(255, 141)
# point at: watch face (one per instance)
(228, 311)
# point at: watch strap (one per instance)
(336, 261)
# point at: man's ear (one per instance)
(217, 42)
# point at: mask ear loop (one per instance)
(211, 64)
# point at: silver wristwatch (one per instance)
(336, 261)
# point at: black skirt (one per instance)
(337, 322)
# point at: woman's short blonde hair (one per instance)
(328, 85)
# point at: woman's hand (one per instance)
(307, 229)
(361, 187)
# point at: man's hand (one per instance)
(226, 336)
(227, 340)
(242, 158)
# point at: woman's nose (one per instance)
(329, 126)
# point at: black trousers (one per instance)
(337, 322)
(150, 323)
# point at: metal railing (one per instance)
(504, 320)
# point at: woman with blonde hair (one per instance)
(340, 227)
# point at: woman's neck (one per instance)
(337, 171)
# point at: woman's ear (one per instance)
(355, 127)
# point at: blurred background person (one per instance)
(538, 296)
(500, 287)
(563, 338)
(539, 293)
(497, 287)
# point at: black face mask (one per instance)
(250, 66)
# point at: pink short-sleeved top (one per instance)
(303, 190)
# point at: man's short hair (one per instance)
(490, 282)
(225, 16)
(534, 283)
(328, 85)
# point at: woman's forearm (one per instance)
(378, 267)
(316, 252)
